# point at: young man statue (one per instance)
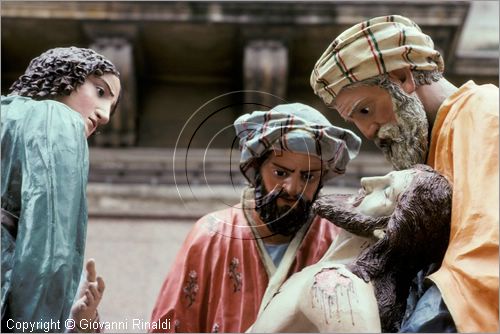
(63, 96)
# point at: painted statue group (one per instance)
(415, 250)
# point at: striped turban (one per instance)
(297, 128)
(371, 48)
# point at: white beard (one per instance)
(405, 143)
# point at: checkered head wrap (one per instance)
(371, 48)
(297, 128)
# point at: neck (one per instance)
(266, 234)
(433, 96)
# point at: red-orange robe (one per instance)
(218, 279)
(464, 148)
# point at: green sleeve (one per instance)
(46, 171)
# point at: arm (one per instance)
(464, 148)
(47, 263)
(184, 297)
(473, 247)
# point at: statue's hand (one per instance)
(90, 293)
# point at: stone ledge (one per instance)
(164, 202)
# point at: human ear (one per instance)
(404, 78)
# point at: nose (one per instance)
(293, 185)
(371, 183)
(103, 114)
(370, 131)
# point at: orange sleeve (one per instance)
(467, 154)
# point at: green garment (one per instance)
(44, 178)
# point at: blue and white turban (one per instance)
(296, 128)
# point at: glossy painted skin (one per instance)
(297, 173)
(94, 100)
(393, 117)
(382, 192)
(368, 107)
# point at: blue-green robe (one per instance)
(44, 177)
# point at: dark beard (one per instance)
(284, 220)
(405, 144)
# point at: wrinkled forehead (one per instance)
(400, 179)
(357, 91)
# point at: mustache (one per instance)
(402, 145)
(341, 202)
(339, 211)
(273, 195)
(357, 199)
(389, 135)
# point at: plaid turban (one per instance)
(371, 48)
(297, 128)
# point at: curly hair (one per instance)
(59, 71)
(416, 236)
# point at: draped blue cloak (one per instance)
(44, 177)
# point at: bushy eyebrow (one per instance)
(293, 170)
(354, 107)
(349, 113)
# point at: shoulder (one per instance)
(484, 94)
(48, 130)
(25, 109)
(219, 226)
(227, 215)
(478, 101)
(43, 119)
(210, 236)
(486, 90)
